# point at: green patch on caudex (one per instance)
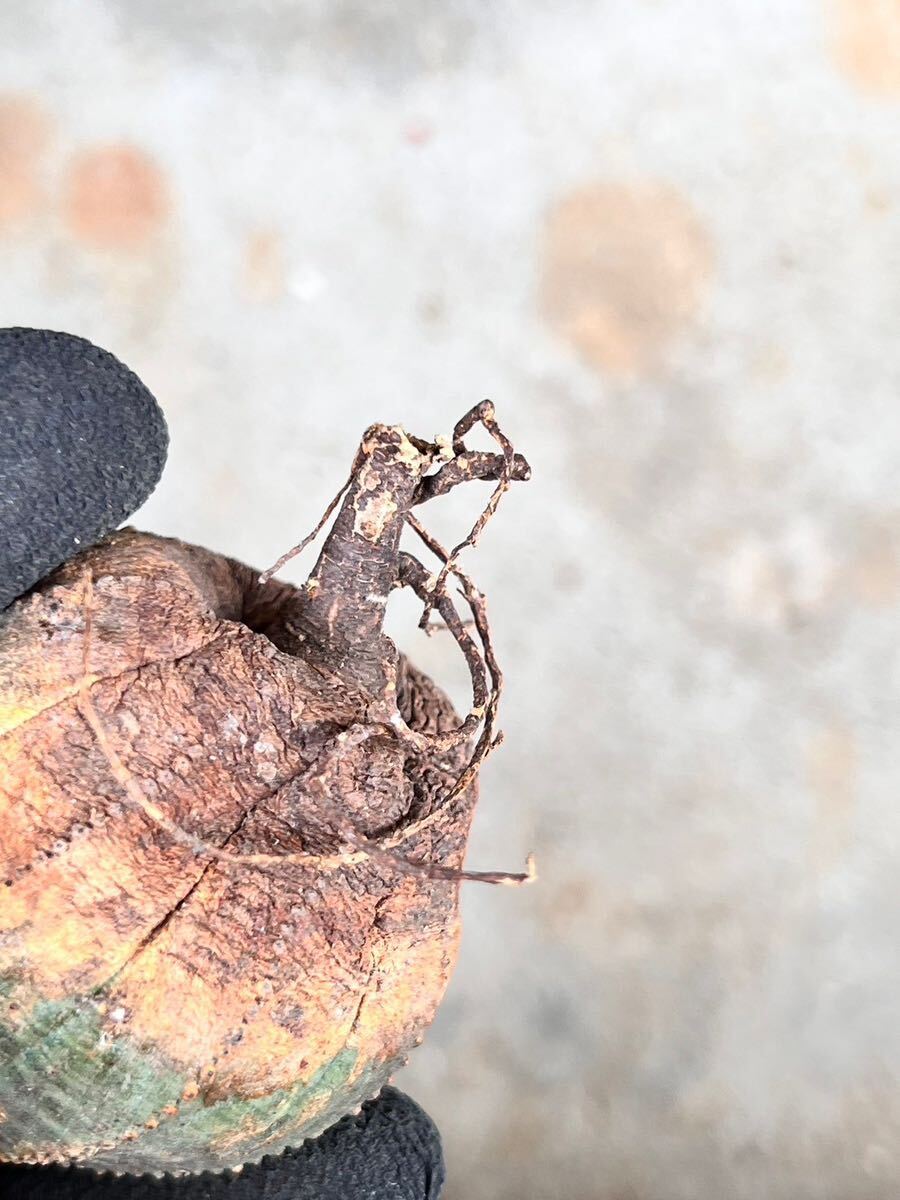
(63, 1079)
(232, 1130)
(83, 1094)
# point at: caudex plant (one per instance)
(233, 821)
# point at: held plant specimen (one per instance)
(232, 825)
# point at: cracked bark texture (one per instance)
(235, 986)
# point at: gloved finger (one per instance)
(391, 1150)
(82, 445)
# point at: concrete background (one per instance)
(664, 237)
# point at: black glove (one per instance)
(82, 445)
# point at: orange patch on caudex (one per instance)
(263, 267)
(263, 1020)
(77, 916)
(23, 136)
(865, 43)
(625, 268)
(116, 198)
(395, 1002)
(184, 1008)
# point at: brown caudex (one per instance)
(232, 826)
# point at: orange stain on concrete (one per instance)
(24, 131)
(875, 570)
(263, 267)
(625, 268)
(865, 43)
(116, 198)
(769, 363)
(566, 905)
(397, 1004)
(831, 771)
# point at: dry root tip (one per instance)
(504, 878)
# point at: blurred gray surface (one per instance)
(665, 238)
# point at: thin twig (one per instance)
(483, 414)
(413, 575)
(435, 627)
(310, 537)
(489, 740)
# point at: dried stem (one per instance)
(377, 470)
(361, 848)
(338, 617)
